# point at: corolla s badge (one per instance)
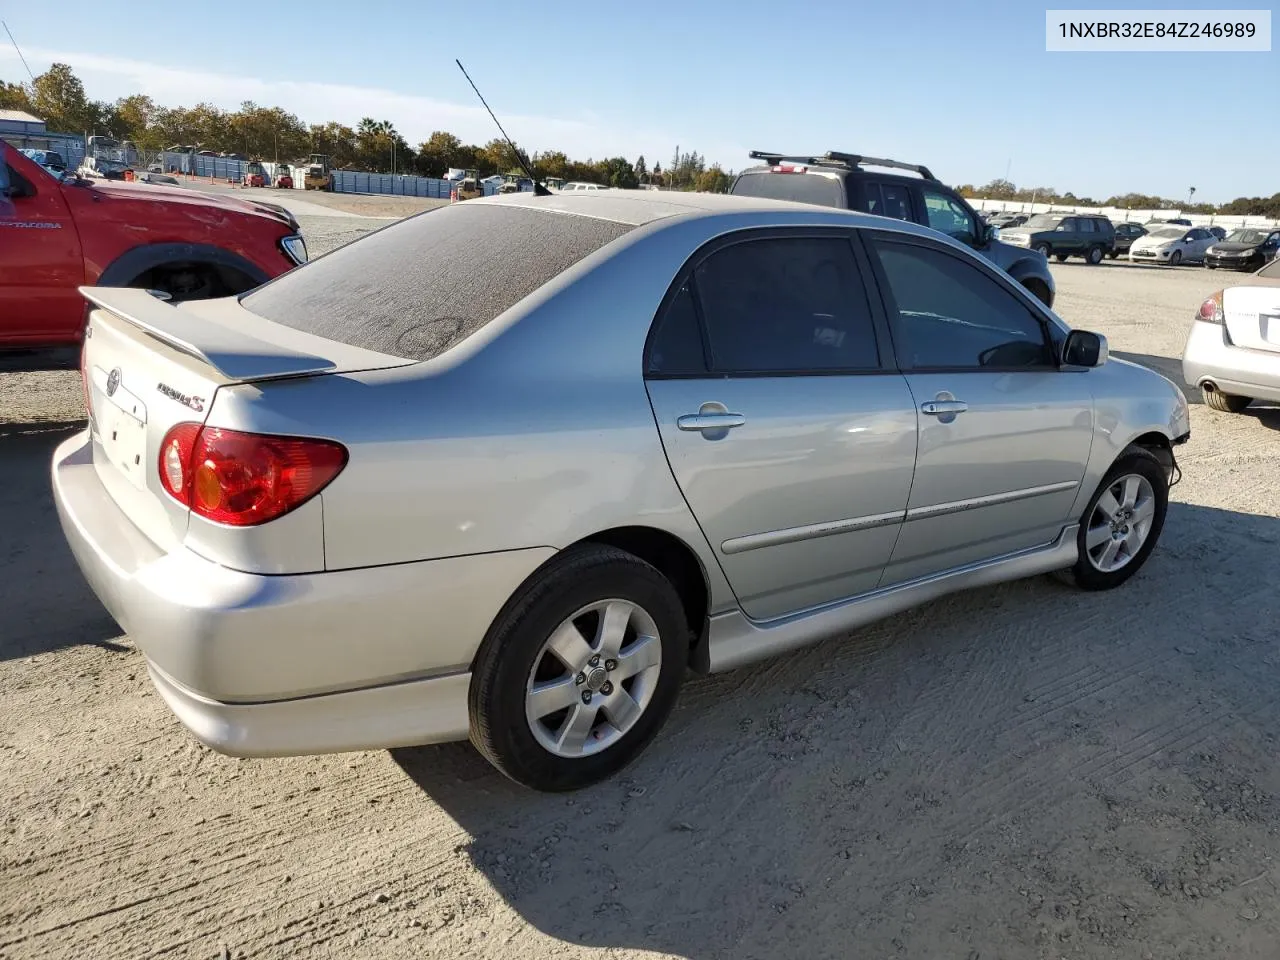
(113, 381)
(195, 403)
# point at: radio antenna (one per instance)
(538, 189)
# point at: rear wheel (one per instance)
(1226, 402)
(1122, 523)
(579, 671)
(1094, 256)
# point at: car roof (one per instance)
(639, 207)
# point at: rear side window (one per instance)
(786, 305)
(888, 200)
(423, 285)
(801, 187)
(1085, 225)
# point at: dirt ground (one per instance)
(1025, 771)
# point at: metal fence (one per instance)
(1117, 215)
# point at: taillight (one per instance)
(243, 479)
(1211, 310)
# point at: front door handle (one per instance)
(710, 421)
(942, 408)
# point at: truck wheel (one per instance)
(1093, 256)
(1044, 250)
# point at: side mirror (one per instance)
(1084, 349)
(990, 233)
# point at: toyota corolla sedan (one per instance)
(388, 500)
(1233, 349)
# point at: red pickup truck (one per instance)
(59, 232)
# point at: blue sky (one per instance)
(967, 89)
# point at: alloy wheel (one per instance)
(1120, 523)
(593, 678)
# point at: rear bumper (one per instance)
(311, 663)
(400, 715)
(1232, 369)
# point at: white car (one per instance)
(1233, 350)
(1172, 244)
(573, 186)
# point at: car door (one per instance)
(1004, 433)
(41, 267)
(1065, 237)
(786, 426)
(1201, 240)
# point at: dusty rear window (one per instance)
(801, 187)
(423, 285)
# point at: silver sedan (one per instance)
(1233, 349)
(507, 469)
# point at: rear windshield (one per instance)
(802, 187)
(423, 285)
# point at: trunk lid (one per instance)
(149, 365)
(1252, 314)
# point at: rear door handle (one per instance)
(710, 421)
(939, 408)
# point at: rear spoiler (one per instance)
(234, 353)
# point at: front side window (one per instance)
(786, 305)
(950, 217)
(948, 314)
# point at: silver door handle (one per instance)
(938, 408)
(710, 421)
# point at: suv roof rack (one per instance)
(835, 158)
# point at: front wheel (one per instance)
(1122, 523)
(1044, 250)
(579, 671)
(1175, 258)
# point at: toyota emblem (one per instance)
(113, 381)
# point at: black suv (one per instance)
(839, 180)
(1063, 235)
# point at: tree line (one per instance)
(58, 97)
(271, 133)
(1000, 189)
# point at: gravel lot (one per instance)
(1024, 771)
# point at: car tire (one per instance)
(560, 749)
(1136, 469)
(1225, 402)
(1044, 250)
(1175, 258)
(1093, 256)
